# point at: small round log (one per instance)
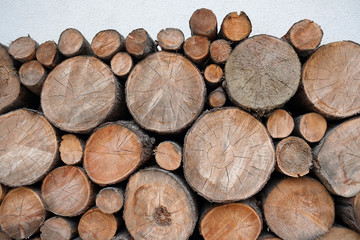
(110, 200)
(32, 75)
(71, 149)
(28, 147)
(139, 44)
(23, 49)
(72, 43)
(213, 75)
(168, 155)
(58, 228)
(196, 48)
(235, 27)
(96, 225)
(48, 54)
(203, 22)
(280, 124)
(121, 64)
(348, 210)
(106, 43)
(337, 232)
(67, 191)
(220, 51)
(217, 98)
(293, 157)
(22, 213)
(311, 126)
(171, 39)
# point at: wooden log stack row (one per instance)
(218, 136)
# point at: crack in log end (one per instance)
(162, 216)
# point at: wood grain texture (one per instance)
(110, 199)
(121, 64)
(106, 43)
(235, 27)
(32, 75)
(58, 228)
(228, 155)
(338, 232)
(139, 44)
(72, 43)
(262, 73)
(168, 155)
(311, 126)
(165, 93)
(48, 54)
(23, 49)
(213, 75)
(196, 48)
(171, 39)
(280, 124)
(81, 93)
(220, 51)
(159, 205)
(71, 149)
(28, 147)
(217, 98)
(203, 22)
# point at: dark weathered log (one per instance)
(32, 75)
(280, 124)
(139, 43)
(220, 51)
(115, 150)
(73, 43)
(81, 93)
(213, 75)
(58, 228)
(159, 205)
(348, 210)
(262, 73)
(28, 147)
(123, 235)
(217, 98)
(71, 149)
(171, 39)
(196, 48)
(23, 49)
(106, 43)
(228, 155)
(21, 213)
(311, 127)
(203, 23)
(121, 64)
(48, 54)
(168, 155)
(267, 236)
(165, 93)
(110, 200)
(298, 208)
(338, 232)
(67, 191)
(235, 27)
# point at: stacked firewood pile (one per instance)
(219, 136)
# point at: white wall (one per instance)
(46, 19)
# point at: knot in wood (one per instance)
(162, 216)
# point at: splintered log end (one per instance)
(48, 54)
(235, 27)
(280, 124)
(71, 149)
(58, 228)
(311, 127)
(110, 200)
(106, 43)
(217, 98)
(22, 213)
(203, 22)
(171, 39)
(168, 155)
(73, 43)
(196, 48)
(215, 163)
(23, 49)
(121, 64)
(220, 51)
(139, 43)
(32, 75)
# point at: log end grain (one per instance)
(32, 75)
(213, 75)
(196, 48)
(23, 49)
(168, 155)
(342, 233)
(139, 43)
(72, 43)
(217, 98)
(58, 228)
(293, 157)
(220, 51)
(203, 22)
(48, 54)
(21, 213)
(110, 200)
(67, 191)
(28, 147)
(231, 221)
(280, 124)
(106, 43)
(311, 126)
(171, 39)
(121, 64)
(236, 27)
(71, 149)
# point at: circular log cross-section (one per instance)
(23, 49)
(48, 54)
(342, 233)
(67, 191)
(21, 213)
(196, 48)
(170, 39)
(121, 64)
(165, 92)
(231, 221)
(311, 126)
(280, 124)
(139, 43)
(58, 228)
(110, 200)
(213, 75)
(106, 43)
(71, 149)
(73, 43)
(114, 151)
(96, 225)
(228, 155)
(298, 208)
(32, 75)
(28, 147)
(79, 94)
(330, 79)
(168, 155)
(217, 98)
(203, 22)
(236, 27)
(337, 159)
(220, 51)
(159, 205)
(262, 73)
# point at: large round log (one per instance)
(330, 84)
(228, 155)
(165, 93)
(262, 73)
(159, 205)
(337, 159)
(81, 93)
(21, 213)
(28, 147)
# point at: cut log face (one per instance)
(32, 75)
(121, 64)
(79, 94)
(280, 124)
(295, 202)
(236, 27)
(330, 79)
(96, 225)
(159, 205)
(110, 200)
(293, 157)
(71, 149)
(106, 43)
(171, 39)
(114, 151)
(28, 147)
(217, 98)
(231, 221)
(48, 54)
(67, 191)
(165, 93)
(348, 210)
(213, 75)
(72, 43)
(168, 155)
(58, 228)
(262, 83)
(23, 49)
(336, 160)
(220, 51)
(228, 155)
(203, 22)
(139, 43)
(311, 126)
(196, 48)
(342, 233)
(21, 213)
